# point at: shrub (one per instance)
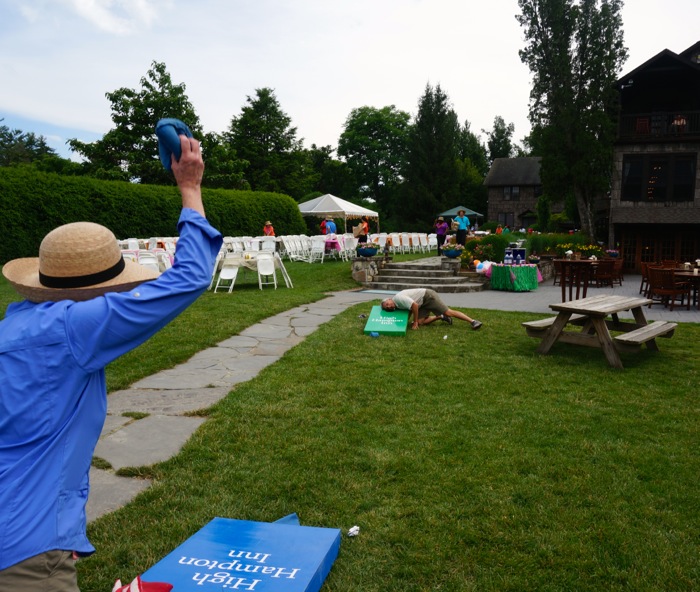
(33, 203)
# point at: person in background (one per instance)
(330, 226)
(268, 229)
(323, 226)
(463, 222)
(364, 230)
(84, 307)
(441, 227)
(499, 229)
(506, 230)
(420, 302)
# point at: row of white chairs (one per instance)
(158, 259)
(239, 244)
(406, 242)
(149, 244)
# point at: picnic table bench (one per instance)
(590, 314)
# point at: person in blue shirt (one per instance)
(84, 307)
(463, 222)
(330, 226)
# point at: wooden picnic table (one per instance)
(589, 315)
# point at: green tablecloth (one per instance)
(514, 278)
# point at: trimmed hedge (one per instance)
(34, 203)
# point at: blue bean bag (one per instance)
(169, 132)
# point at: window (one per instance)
(511, 193)
(506, 219)
(658, 177)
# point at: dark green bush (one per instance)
(33, 203)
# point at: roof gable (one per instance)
(667, 59)
(521, 171)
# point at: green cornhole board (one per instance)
(387, 323)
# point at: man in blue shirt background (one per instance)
(85, 306)
(330, 226)
(463, 222)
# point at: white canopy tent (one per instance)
(330, 205)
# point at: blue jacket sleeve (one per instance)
(102, 329)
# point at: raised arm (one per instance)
(188, 173)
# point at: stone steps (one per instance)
(438, 273)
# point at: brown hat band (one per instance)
(80, 281)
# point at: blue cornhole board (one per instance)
(231, 554)
(387, 323)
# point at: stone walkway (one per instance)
(168, 396)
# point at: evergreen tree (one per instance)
(263, 136)
(575, 51)
(500, 139)
(432, 172)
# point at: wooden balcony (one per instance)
(660, 126)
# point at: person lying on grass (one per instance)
(421, 302)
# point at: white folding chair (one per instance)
(405, 242)
(424, 246)
(266, 271)
(148, 259)
(227, 276)
(395, 242)
(269, 245)
(219, 257)
(164, 262)
(318, 248)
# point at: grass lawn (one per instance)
(469, 463)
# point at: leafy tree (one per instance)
(575, 51)
(500, 139)
(129, 152)
(373, 143)
(263, 136)
(432, 173)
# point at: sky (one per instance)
(322, 58)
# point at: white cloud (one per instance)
(119, 17)
(322, 57)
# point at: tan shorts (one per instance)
(431, 303)
(53, 571)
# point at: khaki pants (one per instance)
(53, 571)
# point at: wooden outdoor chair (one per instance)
(644, 284)
(664, 289)
(603, 273)
(618, 271)
(575, 278)
(557, 272)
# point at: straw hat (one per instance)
(268, 223)
(441, 219)
(77, 261)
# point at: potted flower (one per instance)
(533, 258)
(452, 250)
(612, 253)
(367, 249)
